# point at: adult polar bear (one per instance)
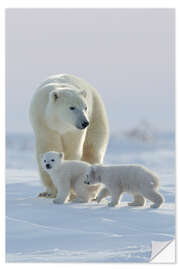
(68, 115)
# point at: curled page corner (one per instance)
(163, 252)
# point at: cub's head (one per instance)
(92, 177)
(51, 160)
(68, 109)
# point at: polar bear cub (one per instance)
(134, 179)
(67, 176)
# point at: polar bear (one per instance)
(68, 115)
(67, 176)
(134, 179)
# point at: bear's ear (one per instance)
(61, 155)
(41, 156)
(54, 95)
(83, 93)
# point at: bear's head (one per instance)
(67, 109)
(51, 160)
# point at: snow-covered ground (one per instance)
(39, 231)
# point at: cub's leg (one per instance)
(116, 195)
(72, 196)
(102, 194)
(63, 188)
(84, 192)
(155, 197)
(47, 182)
(81, 190)
(138, 200)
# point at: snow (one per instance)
(39, 231)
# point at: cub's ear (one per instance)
(61, 155)
(41, 156)
(83, 93)
(54, 95)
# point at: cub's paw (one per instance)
(98, 200)
(135, 204)
(79, 200)
(93, 200)
(46, 195)
(111, 204)
(155, 205)
(57, 201)
(72, 197)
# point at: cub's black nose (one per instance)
(48, 166)
(86, 182)
(85, 124)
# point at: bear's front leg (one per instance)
(73, 144)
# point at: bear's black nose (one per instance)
(48, 166)
(85, 124)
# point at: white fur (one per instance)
(58, 128)
(134, 179)
(68, 176)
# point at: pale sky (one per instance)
(126, 54)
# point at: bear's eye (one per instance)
(52, 160)
(85, 108)
(44, 161)
(72, 108)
